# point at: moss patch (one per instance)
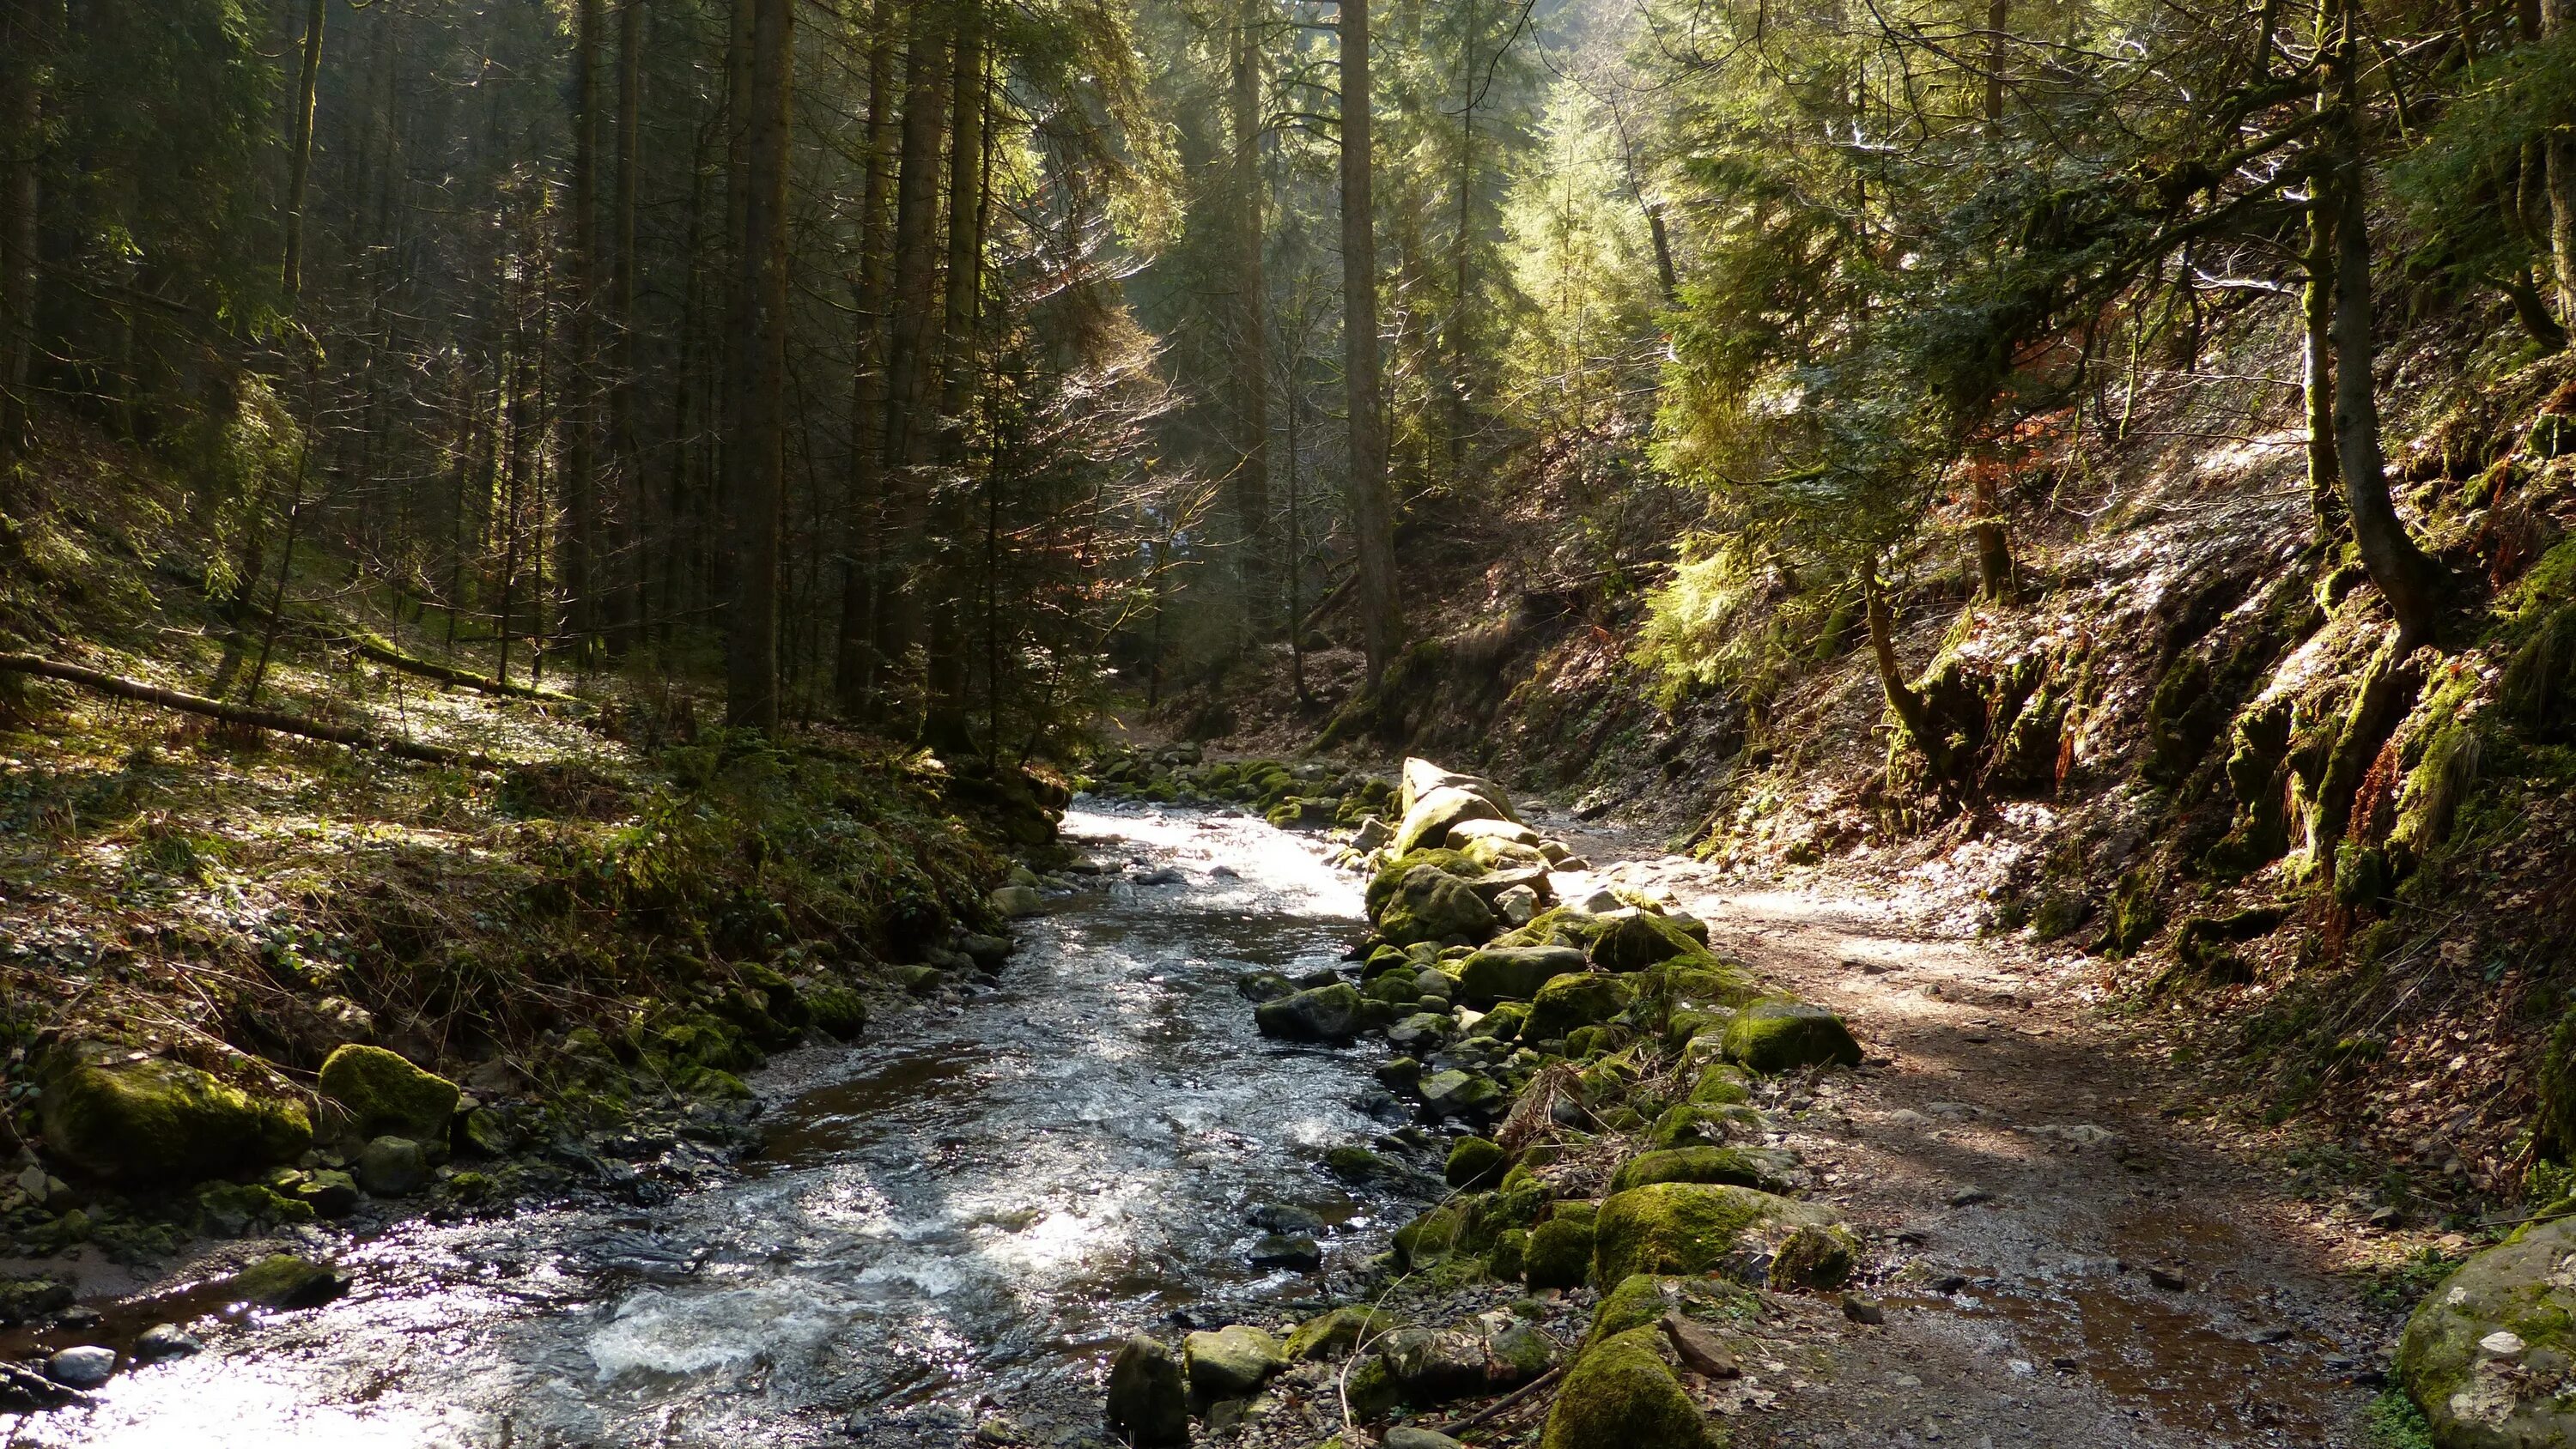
(385, 1095)
(1620, 1392)
(162, 1122)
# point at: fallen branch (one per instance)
(285, 724)
(383, 653)
(1495, 1409)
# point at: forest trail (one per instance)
(2061, 1259)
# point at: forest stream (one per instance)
(951, 1222)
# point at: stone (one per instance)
(1260, 986)
(1148, 1400)
(1372, 835)
(392, 1167)
(987, 952)
(1430, 904)
(1559, 1254)
(24, 1299)
(156, 1122)
(1296, 1252)
(1635, 942)
(1601, 902)
(85, 1367)
(1689, 1227)
(2483, 1355)
(1420, 778)
(1358, 1164)
(1427, 824)
(1231, 1362)
(837, 1011)
(284, 1281)
(1421, 1031)
(1475, 1163)
(1781, 1035)
(1815, 1256)
(382, 1095)
(1771, 1170)
(1698, 1349)
(1621, 1392)
(1433, 1367)
(1863, 1310)
(1510, 832)
(1281, 1217)
(1405, 1436)
(1431, 1237)
(1334, 1334)
(1517, 906)
(1498, 974)
(165, 1341)
(1017, 902)
(1572, 1000)
(1455, 1093)
(1518, 1354)
(1319, 1014)
(1400, 1074)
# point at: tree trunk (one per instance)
(1994, 548)
(300, 154)
(1251, 351)
(2316, 358)
(856, 669)
(626, 446)
(916, 265)
(2560, 151)
(1372, 506)
(2409, 578)
(755, 454)
(580, 468)
(958, 368)
(25, 42)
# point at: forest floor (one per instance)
(2071, 1242)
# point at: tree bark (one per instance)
(308, 79)
(25, 43)
(1372, 506)
(580, 411)
(1994, 548)
(2316, 358)
(755, 396)
(1902, 699)
(909, 343)
(959, 368)
(2409, 578)
(2560, 152)
(264, 719)
(856, 669)
(626, 446)
(1251, 352)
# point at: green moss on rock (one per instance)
(1771, 1171)
(1475, 1162)
(1781, 1035)
(2484, 1354)
(1685, 1227)
(383, 1095)
(1331, 1335)
(1559, 1254)
(157, 1121)
(1430, 904)
(1621, 1392)
(1572, 1000)
(285, 1281)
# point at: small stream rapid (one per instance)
(952, 1220)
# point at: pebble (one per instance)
(164, 1341)
(1970, 1197)
(85, 1367)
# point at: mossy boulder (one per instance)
(1476, 1162)
(1319, 1014)
(1382, 887)
(1688, 1125)
(1566, 1002)
(1622, 1392)
(382, 1095)
(1513, 973)
(1431, 1238)
(1815, 1256)
(1427, 823)
(1149, 1401)
(1691, 1227)
(1782, 1035)
(1720, 1086)
(1769, 1169)
(838, 1011)
(154, 1121)
(1430, 904)
(233, 1209)
(1230, 1363)
(1633, 943)
(2486, 1353)
(284, 1281)
(1331, 1335)
(1559, 1254)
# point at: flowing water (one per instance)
(957, 1218)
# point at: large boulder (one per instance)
(1421, 778)
(1770, 1169)
(1230, 1363)
(384, 1095)
(1513, 973)
(1559, 1254)
(1429, 904)
(1148, 1402)
(1782, 1035)
(1427, 823)
(148, 1120)
(1510, 832)
(1573, 1000)
(1321, 1013)
(1622, 1392)
(2488, 1354)
(1691, 1227)
(1635, 942)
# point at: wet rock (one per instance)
(837, 1011)
(1294, 1251)
(1430, 1238)
(1514, 973)
(1264, 986)
(1281, 1217)
(1148, 1399)
(1396, 988)
(1408, 1437)
(165, 1341)
(1863, 1310)
(85, 1367)
(1475, 1163)
(1320, 1014)
(1429, 904)
(1016, 902)
(1621, 1392)
(1518, 1354)
(392, 1167)
(1421, 1031)
(1166, 875)
(1571, 1001)
(1457, 1094)
(1681, 1227)
(158, 1121)
(919, 980)
(284, 1281)
(1400, 1074)
(382, 1095)
(25, 1299)
(1781, 1035)
(1229, 1363)
(1433, 1367)
(1358, 1164)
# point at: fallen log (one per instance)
(383, 653)
(264, 719)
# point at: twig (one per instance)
(1495, 1409)
(285, 724)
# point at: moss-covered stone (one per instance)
(1321, 1014)
(2485, 1353)
(383, 1095)
(1781, 1035)
(1333, 1334)
(1688, 1125)
(1229, 1363)
(1720, 1085)
(1642, 1298)
(1633, 943)
(1815, 1256)
(1685, 1227)
(1767, 1169)
(232, 1209)
(837, 1010)
(1621, 1392)
(1513, 973)
(1430, 904)
(1430, 1238)
(1389, 878)
(1475, 1162)
(1148, 1399)
(1358, 1164)
(284, 1281)
(156, 1121)
(1570, 1001)
(1503, 1023)
(1428, 821)
(1559, 1254)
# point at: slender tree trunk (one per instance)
(1251, 349)
(965, 276)
(1372, 505)
(2560, 150)
(1994, 547)
(1903, 700)
(900, 604)
(2316, 357)
(2409, 578)
(856, 670)
(581, 463)
(308, 78)
(626, 446)
(25, 43)
(756, 382)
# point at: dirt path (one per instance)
(2059, 1263)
